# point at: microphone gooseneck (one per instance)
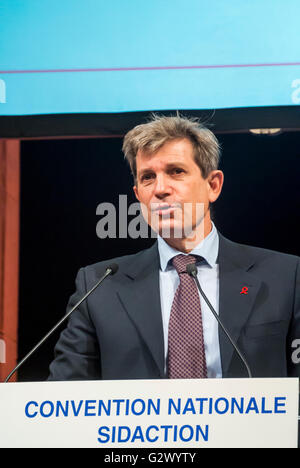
(192, 271)
(110, 270)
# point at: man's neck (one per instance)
(187, 244)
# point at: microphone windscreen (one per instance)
(113, 267)
(191, 269)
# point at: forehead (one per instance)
(180, 151)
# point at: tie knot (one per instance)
(180, 262)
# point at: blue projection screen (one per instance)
(117, 56)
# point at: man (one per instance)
(148, 320)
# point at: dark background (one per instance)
(64, 180)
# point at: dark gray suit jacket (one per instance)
(117, 333)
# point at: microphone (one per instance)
(110, 270)
(191, 269)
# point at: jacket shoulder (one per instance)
(249, 253)
(126, 263)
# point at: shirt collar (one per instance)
(208, 249)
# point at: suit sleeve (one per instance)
(77, 354)
(293, 350)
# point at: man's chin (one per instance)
(173, 231)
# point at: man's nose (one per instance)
(162, 187)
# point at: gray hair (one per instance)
(151, 136)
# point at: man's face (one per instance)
(173, 194)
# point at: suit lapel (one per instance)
(140, 297)
(234, 305)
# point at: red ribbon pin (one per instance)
(244, 290)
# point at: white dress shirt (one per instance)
(208, 276)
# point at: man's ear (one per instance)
(215, 181)
(136, 192)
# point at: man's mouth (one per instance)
(163, 209)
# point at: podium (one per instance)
(156, 414)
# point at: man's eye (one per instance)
(177, 170)
(146, 177)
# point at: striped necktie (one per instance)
(186, 353)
